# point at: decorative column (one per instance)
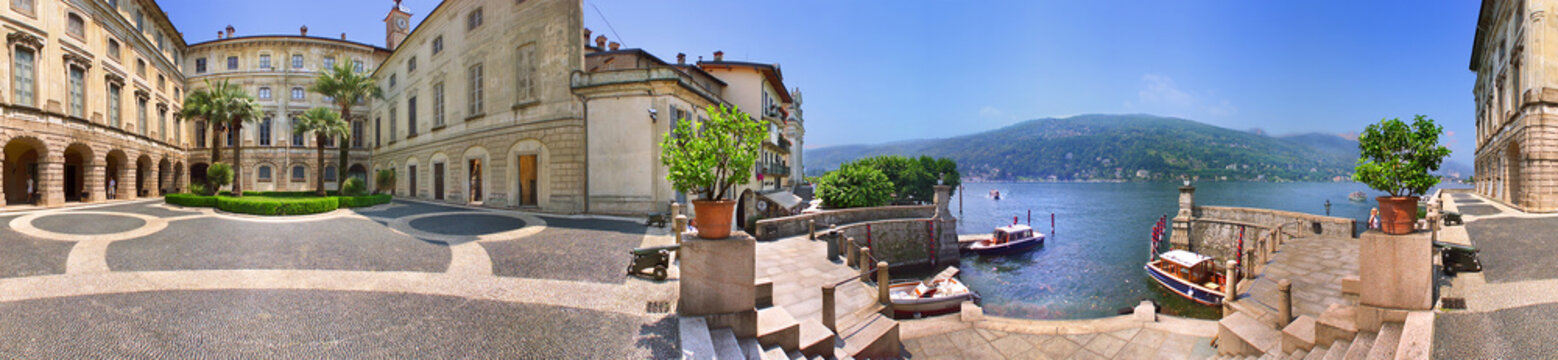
(51, 181)
(126, 182)
(96, 176)
(1180, 240)
(153, 181)
(946, 228)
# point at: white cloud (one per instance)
(991, 112)
(1160, 94)
(1161, 90)
(1223, 108)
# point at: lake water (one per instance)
(1092, 266)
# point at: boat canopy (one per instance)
(1184, 258)
(1014, 228)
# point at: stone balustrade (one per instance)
(780, 227)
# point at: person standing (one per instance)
(113, 188)
(29, 190)
(1374, 219)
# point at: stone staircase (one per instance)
(865, 333)
(1335, 335)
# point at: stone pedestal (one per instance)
(717, 275)
(1179, 239)
(1396, 271)
(947, 253)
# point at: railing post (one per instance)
(882, 284)
(1285, 303)
(1231, 291)
(828, 316)
(811, 228)
(853, 257)
(865, 261)
(832, 238)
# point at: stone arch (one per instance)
(24, 159)
(164, 176)
(115, 172)
(529, 173)
(476, 161)
(197, 173)
(179, 184)
(411, 170)
(392, 185)
(144, 175)
(438, 179)
(78, 173)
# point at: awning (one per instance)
(785, 199)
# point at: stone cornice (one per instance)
(25, 39)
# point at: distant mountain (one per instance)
(1119, 147)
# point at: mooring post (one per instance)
(811, 228)
(828, 320)
(1285, 304)
(882, 284)
(853, 257)
(832, 238)
(1231, 291)
(865, 261)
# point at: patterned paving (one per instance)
(1315, 266)
(1129, 343)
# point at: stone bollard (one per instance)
(838, 237)
(811, 228)
(882, 285)
(832, 237)
(828, 317)
(1231, 290)
(851, 257)
(865, 262)
(1285, 302)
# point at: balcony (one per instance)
(773, 169)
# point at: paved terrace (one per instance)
(1512, 305)
(1315, 266)
(143, 279)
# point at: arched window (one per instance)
(75, 25)
(264, 173)
(330, 173)
(298, 172)
(113, 49)
(297, 93)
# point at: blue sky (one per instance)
(877, 71)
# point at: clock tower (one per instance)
(397, 25)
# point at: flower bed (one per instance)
(276, 203)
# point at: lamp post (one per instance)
(1327, 207)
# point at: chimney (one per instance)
(343, 36)
(587, 35)
(218, 34)
(600, 41)
(615, 45)
(304, 30)
(719, 55)
(681, 59)
(229, 31)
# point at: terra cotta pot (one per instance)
(1397, 214)
(713, 217)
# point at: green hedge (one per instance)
(364, 201)
(191, 200)
(262, 205)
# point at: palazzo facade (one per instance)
(1517, 104)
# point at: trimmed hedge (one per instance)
(364, 201)
(191, 200)
(261, 205)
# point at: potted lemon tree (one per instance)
(709, 159)
(1396, 158)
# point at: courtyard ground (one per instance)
(1512, 305)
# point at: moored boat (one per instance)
(1357, 196)
(942, 294)
(995, 194)
(1191, 275)
(1008, 239)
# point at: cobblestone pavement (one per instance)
(1512, 305)
(142, 279)
(1315, 266)
(946, 337)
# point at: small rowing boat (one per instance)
(1191, 275)
(1008, 239)
(942, 294)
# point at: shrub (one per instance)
(219, 175)
(354, 187)
(364, 201)
(190, 200)
(854, 185)
(277, 206)
(1396, 158)
(384, 180)
(198, 188)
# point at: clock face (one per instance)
(401, 23)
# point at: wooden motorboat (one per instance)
(1191, 275)
(1008, 239)
(1356, 196)
(942, 294)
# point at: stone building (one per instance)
(1517, 135)
(89, 102)
(278, 70)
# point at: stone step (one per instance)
(695, 339)
(1240, 334)
(1417, 336)
(1385, 343)
(1299, 335)
(725, 344)
(794, 354)
(874, 337)
(776, 327)
(1338, 350)
(1317, 353)
(815, 339)
(765, 292)
(751, 349)
(1360, 346)
(1298, 355)
(1270, 356)
(1338, 322)
(774, 353)
(1256, 310)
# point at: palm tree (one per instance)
(202, 104)
(346, 86)
(324, 123)
(234, 107)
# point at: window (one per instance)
(411, 116)
(264, 173)
(298, 173)
(393, 120)
(232, 137)
(378, 132)
(525, 69)
(140, 122)
(329, 62)
(22, 74)
(473, 20)
(438, 105)
(329, 141)
(140, 68)
(329, 99)
(161, 46)
(265, 131)
(264, 61)
(265, 93)
(232, 63)
(113, 104)
(297, 137)
(297, 93)
(162, 121)
(357, 65)
(22, 6)
(392, 81)
(200, 134)
(357, 133)
(78, 91)
(113, 4)
(140, 21)
(330, 173)
(475, 90)
(297, 61)
(162, 83)
(438, 44)
(75, 26)
(113, 49)
(411, 65)
(200, 66)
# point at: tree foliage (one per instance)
(1397, 157)
(384, 180)
(219, 175)
(914, 179)
(324, 123)
(346, 86)
(854, 185)
(712, 156)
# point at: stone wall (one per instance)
(905, 243)
(1214, 230)
(776, 228)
